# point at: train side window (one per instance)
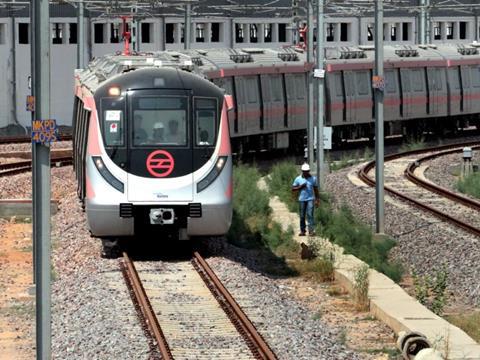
(390, 82)
(338, 84)
(205, 121)
(276, 87)
(252, 90)
(362, 83)
(300, 86)
(475, 76)
(418, 82)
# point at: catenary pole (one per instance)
(320, 84)
(80, 35)
(310, 100)
(41, 178)
(421, 30)
(187, 28)
(379, 151)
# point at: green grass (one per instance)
(413, 143)
(339, 226)
(252, 227)
(470, 185)
(351, 159)
(470, 323)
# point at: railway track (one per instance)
(18, 167)
(189, 312)
(402, 181)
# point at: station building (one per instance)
(216, 26)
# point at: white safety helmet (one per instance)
(305, 167)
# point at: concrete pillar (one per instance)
(275, 32)
(456, 30)
(336, 34)
(159, 34)
(246, 33)
(399, 31)
(177, 35)
(443, 30)
(260, 33)
(208, 32)
(193, 33)
(386, 32)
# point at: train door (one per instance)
(406, 107)
(467, 90)
(159, 146)
(349, 84)
(432, 91)
(454, 91)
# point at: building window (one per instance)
(393, 33)
(282, 32)
(462, 30)
(330, 32)
(450, 31)
(23, 33)
(344, 27)
(169, 33)
(146, 33)
(115, 33)
(200, 32)
(2, 34)
(98, 33)
(57, 33)
(72, 38)
(370, 31)
(253, 33)
(437, 31)
(215, 35)
(267, 33)
(406, 31)
(239, 35)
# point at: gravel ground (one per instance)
(93, 316)
(287, 326)
(440, 170)
(20, 186)
(28, 146)
(424, 242)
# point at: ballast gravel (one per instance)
(424, 243)
(92, 315)
(291, 331)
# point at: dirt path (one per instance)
(17, 309)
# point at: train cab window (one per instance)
(205, 121)
(159, 121)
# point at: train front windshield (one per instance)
(159, 121)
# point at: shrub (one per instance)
(470, 185)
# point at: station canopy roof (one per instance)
(241, 8)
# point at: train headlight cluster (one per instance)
(213, 174)
(106, 174)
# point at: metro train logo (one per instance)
(160, 163)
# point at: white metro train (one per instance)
(152, 149)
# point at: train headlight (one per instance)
(106, 174)
(213, 174)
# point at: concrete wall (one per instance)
(63, 55)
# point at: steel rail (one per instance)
(145, 307)
(254, 340)
(459, 198)
(24, 166)
(363, 175)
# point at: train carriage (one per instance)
(152, 148)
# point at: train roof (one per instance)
(215, 63)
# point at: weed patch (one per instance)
(431, 290)
(470, 185)
(470, 323)
(360, 287)
(413, 143)
(339, 226)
